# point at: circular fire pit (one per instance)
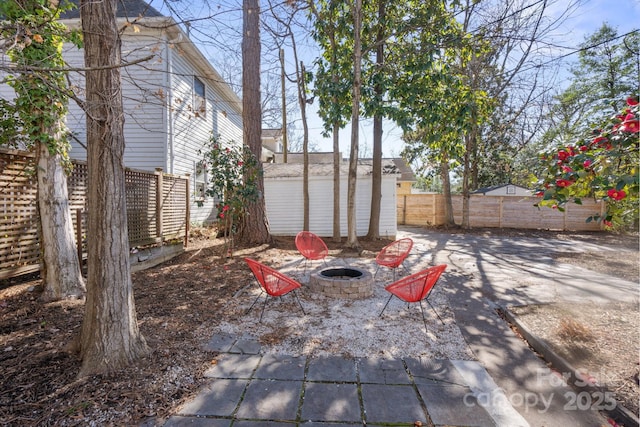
(342, 282)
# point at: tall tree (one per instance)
(41, 103)
(255, 228)
(352, 224)
(432, 97)
(110, 337)
(517, 75)
(378, 95)
(333, 80)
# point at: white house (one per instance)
(504, 190)
(174, 100)
(284, 198)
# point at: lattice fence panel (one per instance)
(77, 187)
(19, 246)
(175, 200)
(141, 189)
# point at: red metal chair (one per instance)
(273, 283)
(393, 255)
(415, 288)
(312, 247)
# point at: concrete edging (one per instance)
(141, 261)
(619, 413)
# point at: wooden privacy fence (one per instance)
(498, 212)
(157, 209)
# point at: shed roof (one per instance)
(485, 190)
(294, 170)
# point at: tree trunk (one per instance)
(285, 137)
(61, 273)
(446, 190)
(465, 181)
(352, 231)
(41, 103)
(376, 184)
(337, 237)
(302, 98)
(255, 229)
(110, 338)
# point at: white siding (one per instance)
(191, 130)
(143, 96)
(161, 128)
(284, 203)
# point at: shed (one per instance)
(284, 198)
(503, 190)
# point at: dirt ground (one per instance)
(178, 299)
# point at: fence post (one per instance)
(404, 209)
(79, 235)
(187, 217)
(159, 196)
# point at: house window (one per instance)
(200, 181)
(199, 98)
(511, 189)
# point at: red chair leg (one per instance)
(385, 306)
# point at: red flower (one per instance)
(607, 223)
(583, 148)
(563, 182)
(566, 169)
(240, 163)
(539, 193)
(563, 155)
(616, 194)
(631, 124)
(225, 208)
(221, 215)
(632, 101)
(587, 163)
(600, 140)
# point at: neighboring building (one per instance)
(315, 157)
(504, 190)
(397, 166)
(174, 102)
(406, 177)
(285, 202)
(271, 140)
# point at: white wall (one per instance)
(284, 203)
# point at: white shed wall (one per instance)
(284, 203)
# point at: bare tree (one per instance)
(110, 337)
(510, 72)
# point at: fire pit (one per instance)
(342, 282)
